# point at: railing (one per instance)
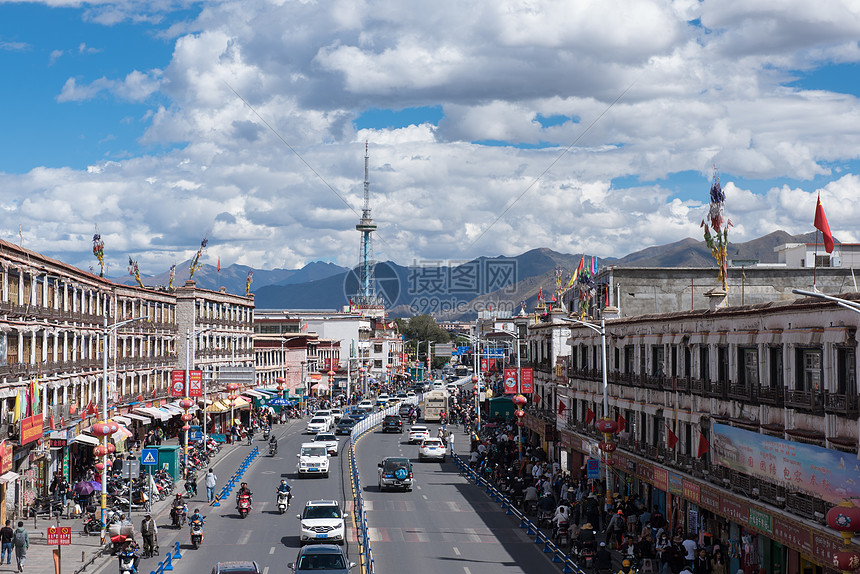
(772, 395)
(697, 386)
(841, 404)
(812, 401)
(716, 389)
(741, 392)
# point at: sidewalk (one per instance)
(40, 557)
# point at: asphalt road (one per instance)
(445, 525)
(269, 538)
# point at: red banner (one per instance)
(330, 364)
(5, 457)
(527, 386)
(484, 364)
(195, 383)
(177, 383)
(59, 535)
(510, 381)
(31, 429)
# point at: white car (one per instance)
(325, 413)
(418, 433)
(432, 448)
(329, 440)
(410, 394)
(337, 414)
(319, 424)
(322, 521)
(366, 405)
(313, 459)
(382, 399)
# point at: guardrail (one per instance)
(240, 472)
(559, 556)
(359, 513)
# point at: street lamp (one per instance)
(186, 418)
(519, 390)
(106, 428)
(602, 332)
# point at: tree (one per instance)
(423, 328)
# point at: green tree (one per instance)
(419, 329)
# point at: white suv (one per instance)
(322, 521)
(313, 459)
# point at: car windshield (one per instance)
(313, 451)
(318, 420)
(321, 562)
(392, 465)
(326, 437)
(418, 429)
(432, 442)
(346, 423)
(323, 511)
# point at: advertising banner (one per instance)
(31, 429)
(661, 479)
(177, 383)
(527, 386)
(510, 381)
(195, 383)
(5, 457)
(808, 469)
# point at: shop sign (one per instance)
(645, 471)
(510, 381)
(58, 442)
(31, 429)
(676, 484)
(793, 534)
(761, 520)
(709, 498)
(5, 457)
(631, 466)
(691, 491)
(661, 479)
(733, 510)
(66, 464)
(824, 547)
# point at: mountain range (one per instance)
(453, 292)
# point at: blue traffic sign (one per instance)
(592, 468)
(494, 353)
(149, 456)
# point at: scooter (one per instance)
(273, 448)
(244, 505)
(126, 562)
(196, 533)
(266, 434)
(178, 516)
(562, 535)
(284, 501)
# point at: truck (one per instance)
(433, 403)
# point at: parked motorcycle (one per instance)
(92, 525)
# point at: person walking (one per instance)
(22, 542)
(149, 530)
(6, 534)
(211, 481)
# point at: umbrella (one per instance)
(280, 402)
(84, 488)
(96, 485)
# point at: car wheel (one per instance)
(443, 459)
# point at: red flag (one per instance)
(589, 416)
(671, 438)
(73, 408)
(62, 422)
(704, 445)
(540, 294)
(537, 398)
(553, 297)
(140, 398)
(51, 422)
(622, 423)
(219, 264)
(581, 264)
(561, 407)
(822, 226)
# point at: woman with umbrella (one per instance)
(84, 490)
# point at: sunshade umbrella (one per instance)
(96, 485)
(280, 402)
(83, 488)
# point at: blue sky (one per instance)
(125, 116)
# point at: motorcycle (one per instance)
(196, 533)
(284, 501)
(92, 525)
(178, 516)
(562, 535)
(244, 505)
(126, 562)
(273, 448)
(266, 434)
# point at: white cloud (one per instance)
(269, 177)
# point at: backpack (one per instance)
(20, 538)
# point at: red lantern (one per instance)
(519, 422)
(233, 397)
(519, 400)
(186, 428)
(100, 429)
(100, 450)
(110, 448)
(606, 426)
(187, 416)
(186, 404)
(232, 386)
(114, 426)
(109, 463)
(474, 378)
(844, 518)
(607, 446)
(610, 462)
(846, 561)
(99, 466)
(519, 413)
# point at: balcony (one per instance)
(741, 392)
(838, 404)
(772, 395)
(771, 493)
(698, 386)
(716, 389)
(742, 483)
(809, 401)
(681, 384)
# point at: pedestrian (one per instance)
(149, 530)
(22, 543)
(451, 442)
(6, 534)
(211, 481)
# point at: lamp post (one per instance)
(186, 417)
(106, 428)
(521, 399)
(602, 332)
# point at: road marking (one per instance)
(465, 569)
(244, 538)
(424, 496)
(272, 550)
(418, 487)
(268, 472)
(266, 570)
(456, 551)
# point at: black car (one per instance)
(345, 426)
(392, 423)
(236, 568)
(321, 559)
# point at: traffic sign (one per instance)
(592, 468)
(59, 535)
(149, 456)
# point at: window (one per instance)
(775, 367)
(658, 360)
(704, 363)
(688, 360)
(628, 359)
(846, 371)
(722, 364)
(748, 368)
(377, 363)
(808, 370)
(377, 348)
(674, 361)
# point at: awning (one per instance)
(8, 477)
(153, 413)
(320, 387)
(255, 394)
(122, 434)
(173, 410)
(267, 391)
(224, 406)
(121, 419)
(87, 439)
(136, 417)
(180, 410)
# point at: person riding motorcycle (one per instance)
(273, 444)
(178, 508)
(196, 517)
(284, 488)
(603, 559)
(562, 514)
(626, 567)
(585, 538)
(130, 549)
(244, 491)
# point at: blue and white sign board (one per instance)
(459, 351)
(149, 456)
(497, 353)
(195, 435)
(592, 468)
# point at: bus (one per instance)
(461, 371)
(433, 403)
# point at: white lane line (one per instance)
(266, 570)
(466, 570)
(456, 551)
(424, 496)
(272, 550)
(244, 538)
(418, 487)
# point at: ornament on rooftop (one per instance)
(134, 271)
(99, 251)
(716, 222)
(195, 262)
